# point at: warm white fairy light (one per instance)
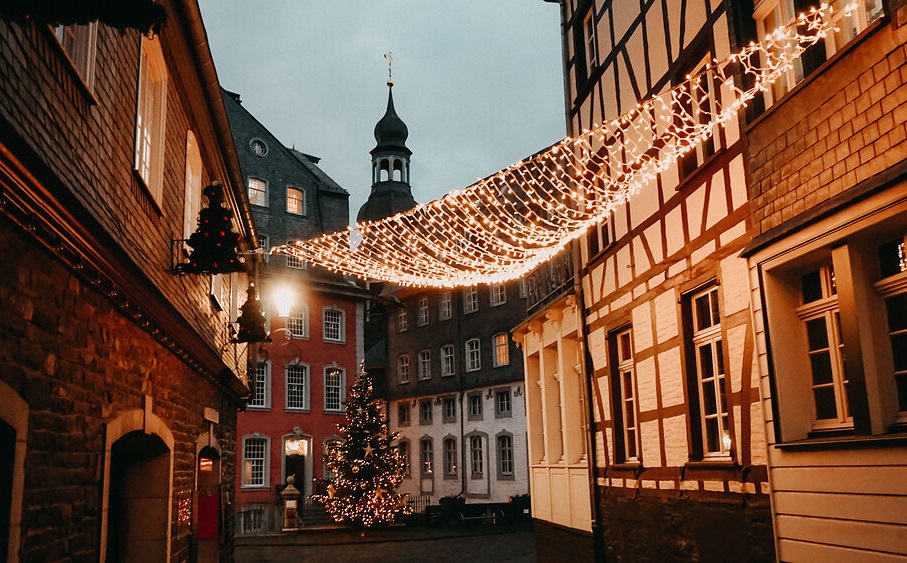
(506, 225)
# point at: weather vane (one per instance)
(389, 57)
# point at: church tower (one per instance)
(391, 192)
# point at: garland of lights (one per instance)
(506, 225)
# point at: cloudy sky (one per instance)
(477, 82)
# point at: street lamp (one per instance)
(283, 297)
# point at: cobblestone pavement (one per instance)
(472, 544)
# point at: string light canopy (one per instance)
(504, 226)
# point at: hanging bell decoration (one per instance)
(213, 243)
(252, 320)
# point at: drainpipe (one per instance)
(598, 536)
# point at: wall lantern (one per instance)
(283, 298)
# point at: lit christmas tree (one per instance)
(366, 467)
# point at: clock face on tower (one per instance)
(259, 148)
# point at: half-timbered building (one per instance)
(828, 279)
(677, 446)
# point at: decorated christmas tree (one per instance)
(366, 466)
(213, 242)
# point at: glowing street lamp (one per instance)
(283, 297)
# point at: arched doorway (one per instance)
(139, 493)
(297, 461)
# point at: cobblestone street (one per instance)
(475, 544)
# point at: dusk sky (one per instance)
(477, 82)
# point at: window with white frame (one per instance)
(470, 300)
(505, 455)
(501, 343)
(772, 14)
(330, 447)
(294, 261)
(403, 413)
(193, 192)
(422, 312)
(426, 455)
(258, 192)
(476, 457)
(295, 201)
(265, 246)
(79, 41)
(260, 383)
(403, 448)
(298, 322)
(402, 319)
(425, 412)
(334, 378)
(503, 406)
(498, 294)
(403, 368)
(450, 457)
(151, 117)
(449, 409)
(474, 406)
(708, 356)
(623, 390)
(334, 325)
(424, 366)
(297, 387)
(255, 462)
(445, 306)
(448, 362)
(473, 355)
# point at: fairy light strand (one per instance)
(506, 225)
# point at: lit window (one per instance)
(445, 308)
(333, 325)
(258, 192)
(150, 118)
(403, 368)
(502, 403)
(333, 389)
(260, 386)
(80, 44)
(424, 367)
(473, 355)
(450, 457)
(709, 359)
(448, 363)
(254, 474)
(470, 300)
(298, 322)
(422, 318)
(501, 343)
(498, 295)
(295, 201)
(297, 387)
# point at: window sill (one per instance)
(258, 409)
(297, 409)
(846, 442)
(328, 341)
(503, 415)
(254, 488)
(506, 478)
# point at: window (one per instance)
(502, 403)
(893, 267)
(403, 368)
(424, 366)
(772, 14)
(501, 343)
(498, 295)
(821, 319)
(474, 406)
(425, 411)
(254, 462)
(298, 322)
(403, 448)
(150, 118)
(589, 51)
(297, 387)
(445, 307)
(450, 457)
(708, 357)
(473, 357)
(295, 201)
(294, 261)
(334, 378)
(402, 320)
(403, 413)
(422, 318)
(522, 288)
(258, 192)
(265, 247)
(80, 44)
(449, 406)
(505, 456)
(334, 325)
(448, 363)
(598, 238)
(260, 383)
(623, 389)
(699, 108)
(470, 300)
(193, 186)
(476, 457)
(425, 448)
(330, 447)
